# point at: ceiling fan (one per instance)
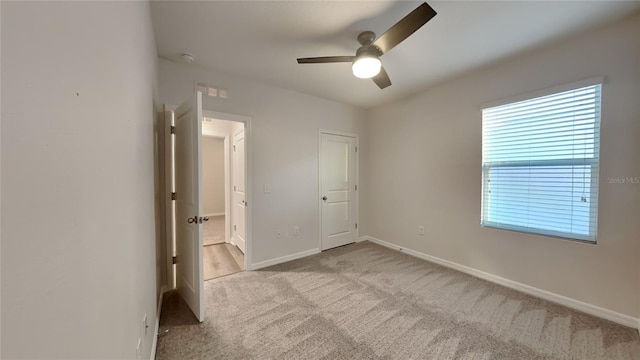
(366, 62)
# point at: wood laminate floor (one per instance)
(221, 259)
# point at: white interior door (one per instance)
(188, 185)
(239, 194)
(337, 190)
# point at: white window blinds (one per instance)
(540, 164)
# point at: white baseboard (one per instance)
(527, 289)
(214, 214)
(154, 345)
(283, 259)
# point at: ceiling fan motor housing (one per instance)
(368, 50)
(365, 38)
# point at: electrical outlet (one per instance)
(420, 230)
(278, 234)
(266, 189)
(296, 230)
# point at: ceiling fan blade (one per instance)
(405, 27)
(382, 79)
(325, 59)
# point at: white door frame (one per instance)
(356, 206)
(169, 188)
(227, 177)
(247, 163)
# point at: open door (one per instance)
(188, 185)
(239, 193)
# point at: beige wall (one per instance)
(283, 151)
(78, 232)
(213, 175)
(424, 168)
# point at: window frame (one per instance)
(593, 162)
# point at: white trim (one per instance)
(283, 259)
(319, 194)
(154, 344)
(527, 289)
(169, 187)
(339, 133)
(215, 214)
(226, 116)
(544, 92)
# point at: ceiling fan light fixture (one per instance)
(366, 64)
(366, 67)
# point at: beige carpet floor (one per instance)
(363, 301)
(213, 231)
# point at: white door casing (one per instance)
(238, 210)
(245, 123)
(169, 184)
(338, 203)
(188, 185)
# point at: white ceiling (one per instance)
(261, 40)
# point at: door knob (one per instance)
(324, 198)
(206, 218)
(192, 220)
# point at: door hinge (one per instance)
(173, 129)
(173, 196)
(356, 187)
(234, 188)
(234, 148)
(356, 149)
(356, 225)
(234, 227)
(175, 260)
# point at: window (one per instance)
(540, 163)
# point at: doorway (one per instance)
(223, 169)
(184, 212)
